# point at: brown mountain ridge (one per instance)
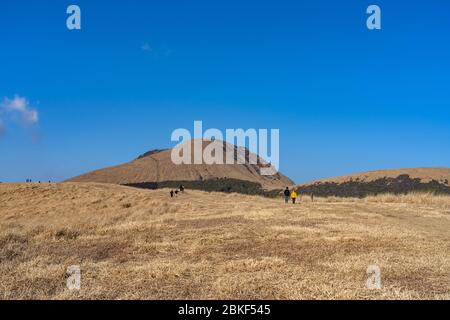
(398, 181)
(155, 169)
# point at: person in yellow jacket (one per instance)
(294, 196)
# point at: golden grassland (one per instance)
(140, 244)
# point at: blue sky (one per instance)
(346, 99)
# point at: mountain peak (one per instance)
(156, 167)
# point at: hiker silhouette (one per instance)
(287, 195)
(294, 196)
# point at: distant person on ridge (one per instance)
(287, 195)
(294, 196)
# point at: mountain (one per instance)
(155, 169)
(397, 181)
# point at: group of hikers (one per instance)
(174, 193)
(290, 195)
(31, 181)
(293, 195)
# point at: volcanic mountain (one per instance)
(397, 181)
(156, 169)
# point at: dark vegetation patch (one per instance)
(403, 184)
(209, 222)
(308, 252)
(12, 246)
(67, 235)
(212, 185)
(152, 152)
(28, 288)
(95, 251)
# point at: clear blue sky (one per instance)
(345, 99)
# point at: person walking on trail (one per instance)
(294, 196)
(287, 195)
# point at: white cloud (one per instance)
(146, 47)
(21, 106)
(158, 51)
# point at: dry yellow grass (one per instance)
(139, 244)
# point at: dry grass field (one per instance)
(140, 244)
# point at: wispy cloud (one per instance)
(21, 106)
(146, 47)
(17, 106)
(161, 51)
(168, 51)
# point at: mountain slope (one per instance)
(157, 167)
(424, 174)
(383, 181)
